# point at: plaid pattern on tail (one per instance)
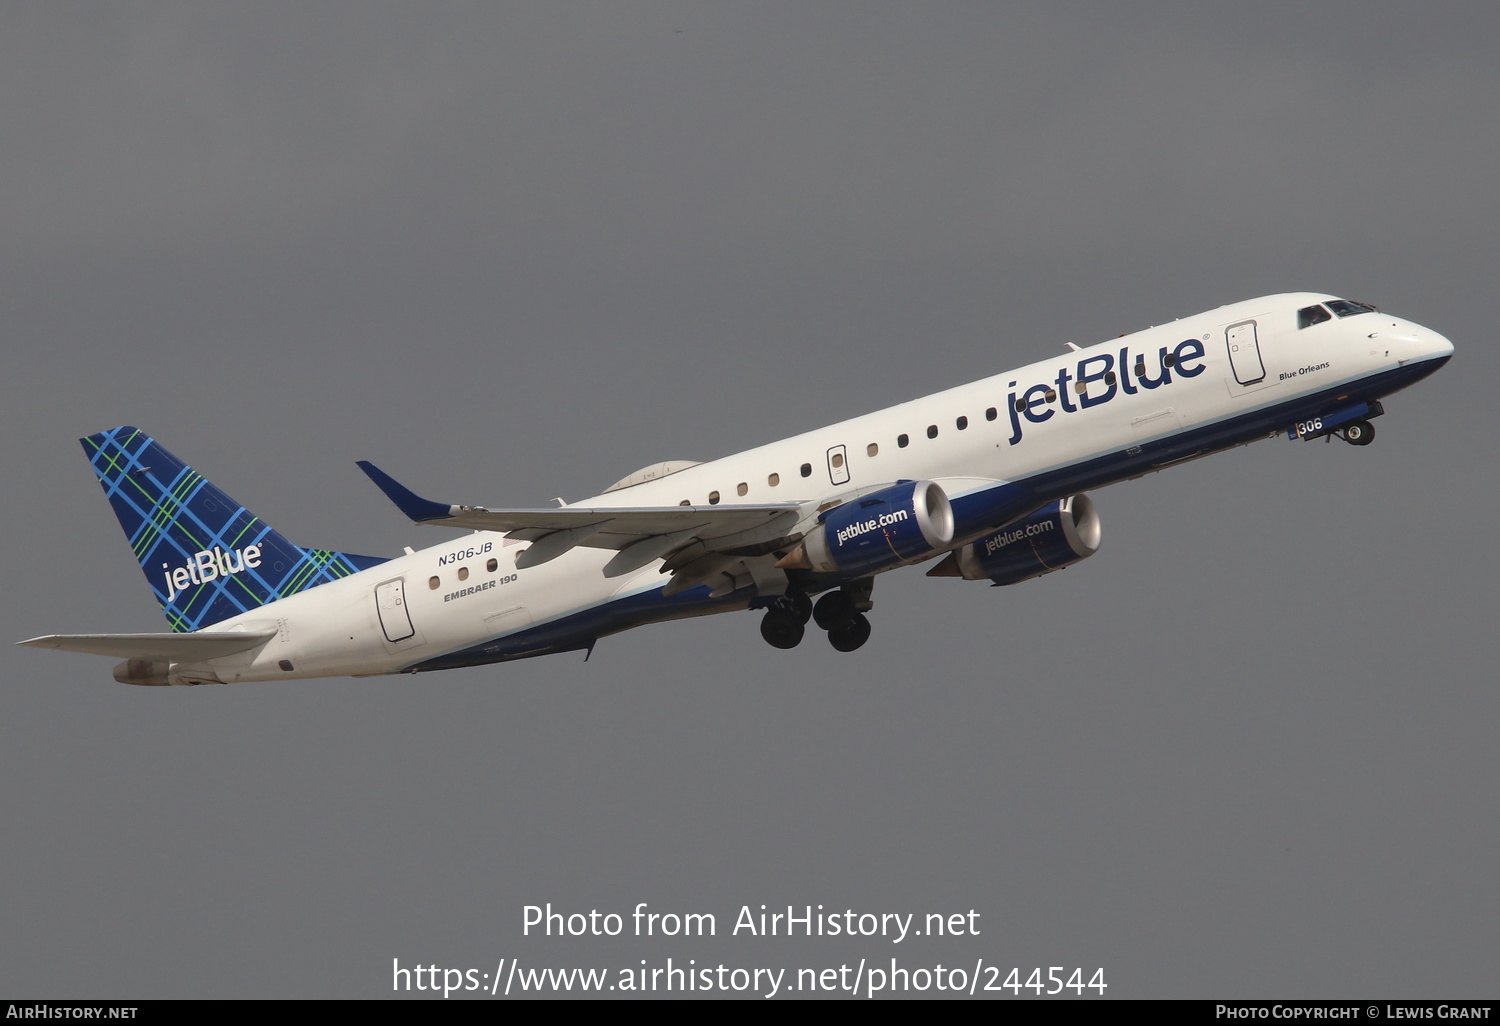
(206, 557)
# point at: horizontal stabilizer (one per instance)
(181, 648)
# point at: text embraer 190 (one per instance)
(988, 476)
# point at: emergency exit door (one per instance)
(838, 465)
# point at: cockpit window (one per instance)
(1345, 308)
(1310, 315)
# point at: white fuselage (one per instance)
(466, 594)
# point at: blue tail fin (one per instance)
(207, 557)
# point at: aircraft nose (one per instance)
(1416, 342)
(1426, 344)
(1439, 345)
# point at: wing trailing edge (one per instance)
(645, 532)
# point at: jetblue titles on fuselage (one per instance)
(1035, 403)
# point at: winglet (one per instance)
(423, 511)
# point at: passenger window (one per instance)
(433, 582)
(463, 573)
(741, 488)
(1052, 395)
(836, 460)
(931, 430)
(713, 498)
(774, 480)
(872, 449)
(684, 502)
(1310, 315)
(902, 441)
(492, 565)
(807, 470)
(962, 422)
(1109, 379)
(991, 413)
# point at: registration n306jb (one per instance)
(986, 480)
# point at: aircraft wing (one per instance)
(639, 533)
(182, 648)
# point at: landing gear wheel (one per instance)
(781, 630)
(1361, 432)
(850, 636)
(834, 610)
(796, 605)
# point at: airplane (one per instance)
(988, 481)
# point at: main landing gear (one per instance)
(838, 614)
(786, 621)
(841, 613)
(1360, 432)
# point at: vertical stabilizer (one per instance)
(206, 557)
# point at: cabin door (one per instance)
(390, 603)
(1244, 353)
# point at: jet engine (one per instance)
(143, 671)
(897, 524)
(1057, 535)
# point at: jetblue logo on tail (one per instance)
(206, 566)
(206, 557)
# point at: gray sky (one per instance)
(512, 251)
